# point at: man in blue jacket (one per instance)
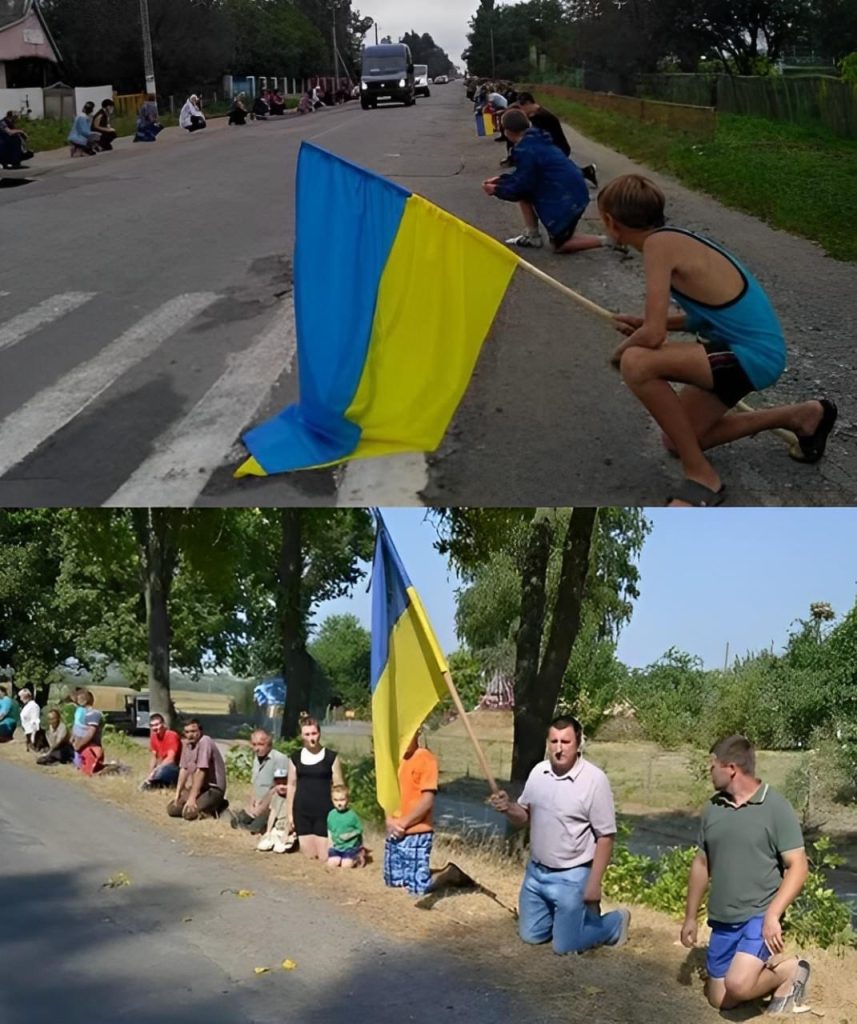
(547, 186)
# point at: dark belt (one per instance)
(547, 867)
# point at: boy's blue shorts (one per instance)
(729, 939)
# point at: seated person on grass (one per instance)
(277, 837)
(60, 750)
(10, 715)
(266, 761)
(166, 749)
(101, 124)
(201, 786)
(31, 721)
(13, 142)
(345, 832)
(86, 737)
(741, 348)
(547, 186)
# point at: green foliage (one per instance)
(657, 883)
(425, 50)
(117, 740)
(360, 778)
(239, 759)
(818, 916)
(342, 648)
(742, 167)
(848, 67)
(468, 677)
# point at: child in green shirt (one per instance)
(345, 832)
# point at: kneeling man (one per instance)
(751, 849)
(568, 804)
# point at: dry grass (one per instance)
(652, 979)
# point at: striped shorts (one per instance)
(406, 863)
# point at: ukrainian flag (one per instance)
(407, 666)
(393, 300)
(484, 124)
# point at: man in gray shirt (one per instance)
(751, 848)
(254, 815)
(568, 804)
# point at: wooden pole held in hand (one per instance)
(480, 754)
(784, 435)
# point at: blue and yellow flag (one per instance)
(484, 124)
(393, 300)
(407, 673)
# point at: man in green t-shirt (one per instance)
(345, 832)
(751, 849)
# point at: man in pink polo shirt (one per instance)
(568, 805)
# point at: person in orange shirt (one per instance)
(410, 831)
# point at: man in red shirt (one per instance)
(166, 748)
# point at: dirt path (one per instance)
(652, 979)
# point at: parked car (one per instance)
(441, 79)
(421, 80)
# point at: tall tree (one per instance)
(342, 648)
(293, 559)
(538, 582)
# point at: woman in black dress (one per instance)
(312, 771)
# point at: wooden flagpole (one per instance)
(785, 435)
(480, 754)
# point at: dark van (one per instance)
(388, 74)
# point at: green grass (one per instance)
(800, 178)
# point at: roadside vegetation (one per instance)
(796, 177)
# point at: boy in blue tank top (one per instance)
(741, 348)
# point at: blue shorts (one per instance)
(729, 939)
(350, 854)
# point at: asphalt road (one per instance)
(170, 948)
(145, 321)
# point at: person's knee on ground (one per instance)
(189, 814)
(174, 809)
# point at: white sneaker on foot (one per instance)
(526, 241)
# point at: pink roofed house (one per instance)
(27, 51)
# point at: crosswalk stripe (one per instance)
(51, 409)
(192, 449)
(31, 320)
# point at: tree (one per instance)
(342, 648)
(533, 578)
(293, 559)
(424, 50)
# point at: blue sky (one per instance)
(736, 576)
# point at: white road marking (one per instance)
(191, 450)
(388, 480)
(31, 320)
(50, 410)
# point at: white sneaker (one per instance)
(526, 241)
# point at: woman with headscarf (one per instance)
(238, 112)
(148, 126)
(191, 117)
(81, 137)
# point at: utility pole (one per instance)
(334, 86)
(493, 61)
(148, 60)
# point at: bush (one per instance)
(818, 916)
(360, 777)
(660, 884)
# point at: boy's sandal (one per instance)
(698, 495)
(810, 449)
